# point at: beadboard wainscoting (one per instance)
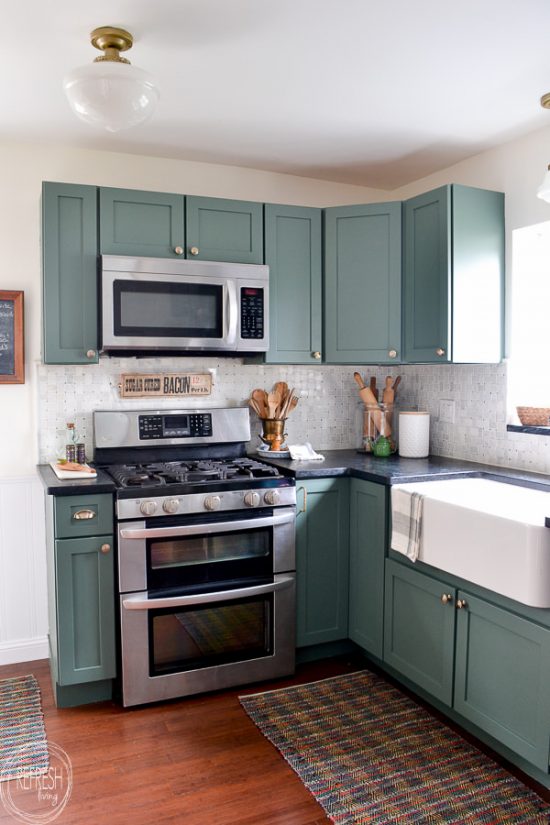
(23, 596)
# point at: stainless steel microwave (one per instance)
(155, 304)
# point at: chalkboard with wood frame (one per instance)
(12, 362)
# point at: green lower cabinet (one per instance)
(502, 677)
(322, 560)
(219, 229)
(419, 629)
(368, 521)
(84, 574)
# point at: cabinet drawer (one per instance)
(77, 516)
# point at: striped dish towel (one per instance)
(406, 511)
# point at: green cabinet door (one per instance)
(84, 572)
(419, 629)
(502, 677)
(149, 224)
(224, 230)
(426, 277)
(322, 561)
(69, 272)
(368, 519)
(363, 284)
(293, 254)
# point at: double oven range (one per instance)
(206, 557)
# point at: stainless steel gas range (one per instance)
(206, 558)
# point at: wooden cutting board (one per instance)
(66, 475)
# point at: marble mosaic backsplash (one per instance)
(328, 413)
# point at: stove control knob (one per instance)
(212, 502)
(252, 499)
(272, 497)
(171, 505)
(148, 508)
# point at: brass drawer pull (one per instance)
(105, 548)
(82, 515)
(304, 508)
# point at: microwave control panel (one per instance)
(175, 426)
(252, 312)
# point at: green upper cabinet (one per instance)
(224, 230)
(453, 276)
(322, 561)
(293, 253)
(366, 564)
(69, 270)
(149, 224)
(363, 284)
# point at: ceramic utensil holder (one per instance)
(273, 432)
(414, 434)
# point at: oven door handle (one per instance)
(136, 602)
(208, 529)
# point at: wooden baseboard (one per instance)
(23, 650)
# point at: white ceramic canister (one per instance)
(414, 434)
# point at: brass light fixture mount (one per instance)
(545, 101)
(111, 41)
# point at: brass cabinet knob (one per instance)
(91, 353)
(105, 548)
(178, 250)
(392, 353)
(194, 250)
(440, 351)
(461, 604)
(316, 355)
(446, 598)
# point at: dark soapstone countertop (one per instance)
(397, 470)
(53, 486)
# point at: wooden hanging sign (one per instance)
(164, 385)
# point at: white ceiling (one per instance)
(372, 93)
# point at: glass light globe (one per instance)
(111, 95)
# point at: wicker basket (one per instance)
(534, 416)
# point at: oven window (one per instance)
(194, 637)
(210, 560)
(221, 547)
(167, 309)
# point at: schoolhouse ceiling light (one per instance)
(110, 92)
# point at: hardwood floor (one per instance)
(196, 761)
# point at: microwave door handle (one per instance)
(136, 602)
(231, 312)
(207, 529)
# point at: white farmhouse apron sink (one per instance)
(490, 533)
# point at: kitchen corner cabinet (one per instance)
(224, 230)
(81, 599)
(453, 276)
(495, 676)
(368, 531)
(363, 284)
(322, 561)
(149, 224)
(293, 252)
(69, 273)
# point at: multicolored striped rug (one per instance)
(23, 745)
(369, 754)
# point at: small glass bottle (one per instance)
(70, 442)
